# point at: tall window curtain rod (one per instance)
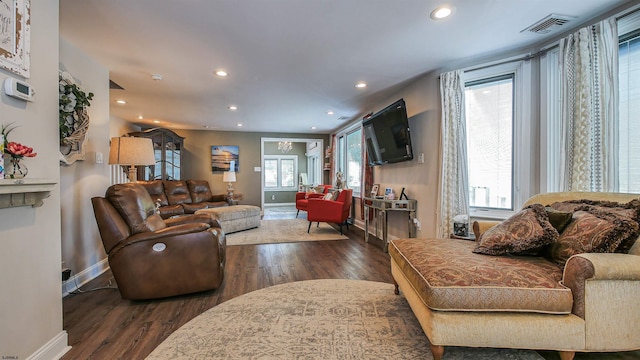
(525, 57)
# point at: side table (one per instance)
(380, 207)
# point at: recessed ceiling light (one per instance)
(140, 117)
(233, 107)
(221, 73)
(361, 84)
(156, 77)
(329, 112)
(121, 102)
(313, 128)
(441, 12)
(156, 121)
(239, 125)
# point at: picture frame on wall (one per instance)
(15, 36)
(225, 158)
(374, 190)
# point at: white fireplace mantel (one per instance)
(25, 192)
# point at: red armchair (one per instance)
(330, 211)
(303, 197)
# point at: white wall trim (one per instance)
(54, 349)
(279, 204)
(83, 277)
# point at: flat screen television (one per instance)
(387, 135)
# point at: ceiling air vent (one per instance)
(549, 24)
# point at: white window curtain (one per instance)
(589, 90)
(454, 181)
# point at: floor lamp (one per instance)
(131, 151)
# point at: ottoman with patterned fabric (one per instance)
(235, 218)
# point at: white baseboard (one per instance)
(279, 204)
(54, 349)
(83, 277)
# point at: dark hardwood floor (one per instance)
(101, 325)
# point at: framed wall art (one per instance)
(15, 36)
(225, 158)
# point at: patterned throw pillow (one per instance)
(327, 196)
(593, 230)
(525, 231)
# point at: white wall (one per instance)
(30, 301)
(82, 249)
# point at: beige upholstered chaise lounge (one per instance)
(590, 307)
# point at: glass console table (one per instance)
(380, 208)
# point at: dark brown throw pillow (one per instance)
(525, 231)
(593, 230)
(558, 219)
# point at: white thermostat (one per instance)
(18, 89)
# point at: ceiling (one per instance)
(289, 62)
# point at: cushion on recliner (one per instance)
(200, 191)
(155, 188)
(135, 206)
(177, 192)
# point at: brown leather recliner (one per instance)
(154, 258)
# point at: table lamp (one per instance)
(229, 177)
(131, 151)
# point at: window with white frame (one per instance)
(629, 126)
(280, 172)
(498, 128)
(349, 157)
(489, 116)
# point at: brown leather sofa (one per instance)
(155, 258)
(178, 197)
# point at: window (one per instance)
(280, 172)
(629, 126)
(354, 160)
(489, 120)
(349, 157)
(499, 143)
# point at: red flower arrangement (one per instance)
(17, 150)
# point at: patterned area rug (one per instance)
(282, 231)
(316, 319)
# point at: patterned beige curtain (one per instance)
(589, 73)
(454, 181)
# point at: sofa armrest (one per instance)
(167, 232)
(606, 266)
(193, 218)
(479, 227)
(582, 268)
(606, 287)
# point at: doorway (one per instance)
(285, 168)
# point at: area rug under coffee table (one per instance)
(316, 319)
(282, 231)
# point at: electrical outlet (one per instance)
(66, 274)
(273, 197)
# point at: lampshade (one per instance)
(229, 176)
(131, 151)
